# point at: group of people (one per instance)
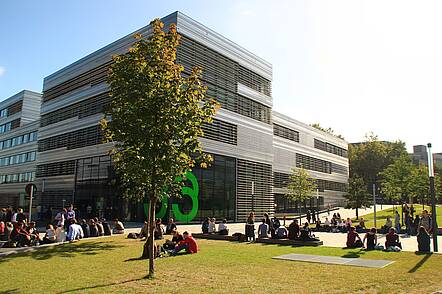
(272, 228)
(17, 231)
(179, 242)
(209, 227)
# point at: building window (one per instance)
(285, 133)
(73, 140)
(330, 148)
(254, 81)
(221, 131)
(17, 178)
(312, 163)
(18, 159)
(56, 169)
(9, 125)
(91, 77)
(19, 140)
(11, 109)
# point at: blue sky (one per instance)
(356, 66)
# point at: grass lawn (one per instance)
(105, 266)
(381, 216)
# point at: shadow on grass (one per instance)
(12, 291)
(353, 253)
(421, 262)
(81, 289)
(64, 250)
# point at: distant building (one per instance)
(19, 122)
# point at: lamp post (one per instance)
(253, 195)
(433, 197)
(317, 199)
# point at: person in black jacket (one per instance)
(106, 227)
(171, 226)
(423, 240)
(93, 230)
(85, 227)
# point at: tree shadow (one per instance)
(11, 291)
(64, 250)
(81, 289)
(421, 262)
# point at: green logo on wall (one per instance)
(192, 192)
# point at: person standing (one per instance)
(313, 216)
(250, 227)
(60, 217)
(425, 221)
(397, 221)
(70, 215)
(309, 216)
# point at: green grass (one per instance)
(110, 266)
(381, 216)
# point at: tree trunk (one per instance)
(357, 213)
(152, 204)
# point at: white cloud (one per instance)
(2, 71)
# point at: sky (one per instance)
(355, 66)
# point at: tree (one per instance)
(301, 186)
(369, 158)
(327, 130)
(357, 195)
(155, 120)
(398, 178)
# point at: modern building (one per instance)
(420, 156)
(254, 148)
(19, 124)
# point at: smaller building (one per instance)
(420, 156)
(19, 122)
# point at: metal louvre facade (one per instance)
(250, 142)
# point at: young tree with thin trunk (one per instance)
(155, 119)
(301, 186)
(357, 195)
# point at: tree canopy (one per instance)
(301, 186)
(327, 130)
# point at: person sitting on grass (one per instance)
(371, 238)
(100, 227)
(49, 237)
(171, 226)
(93, 228)
(188, 244)
(222, 228)
(205, 226)
(360, 228)
(294, 230)
(33, 232)
(20, 236)
(388, 225)
(263, 229)
(423, 240)
(75, 231)
(353, 239)
(158, 231)
(106, 227)
(306, 233)
(170, 244)
(318, 225)
(392, 239)
(212, 226)
(144, 231)
(118, 227)
(281, 233)
(327, 225)
(85, 227)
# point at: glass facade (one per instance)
(217, 191)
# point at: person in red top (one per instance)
(188, 243)
(351, 239)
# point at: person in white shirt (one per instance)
(327, 224)
(222, 228)
(60, 218)
(75, 231)
(212, 228)
(263, 229)
(50, 235)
